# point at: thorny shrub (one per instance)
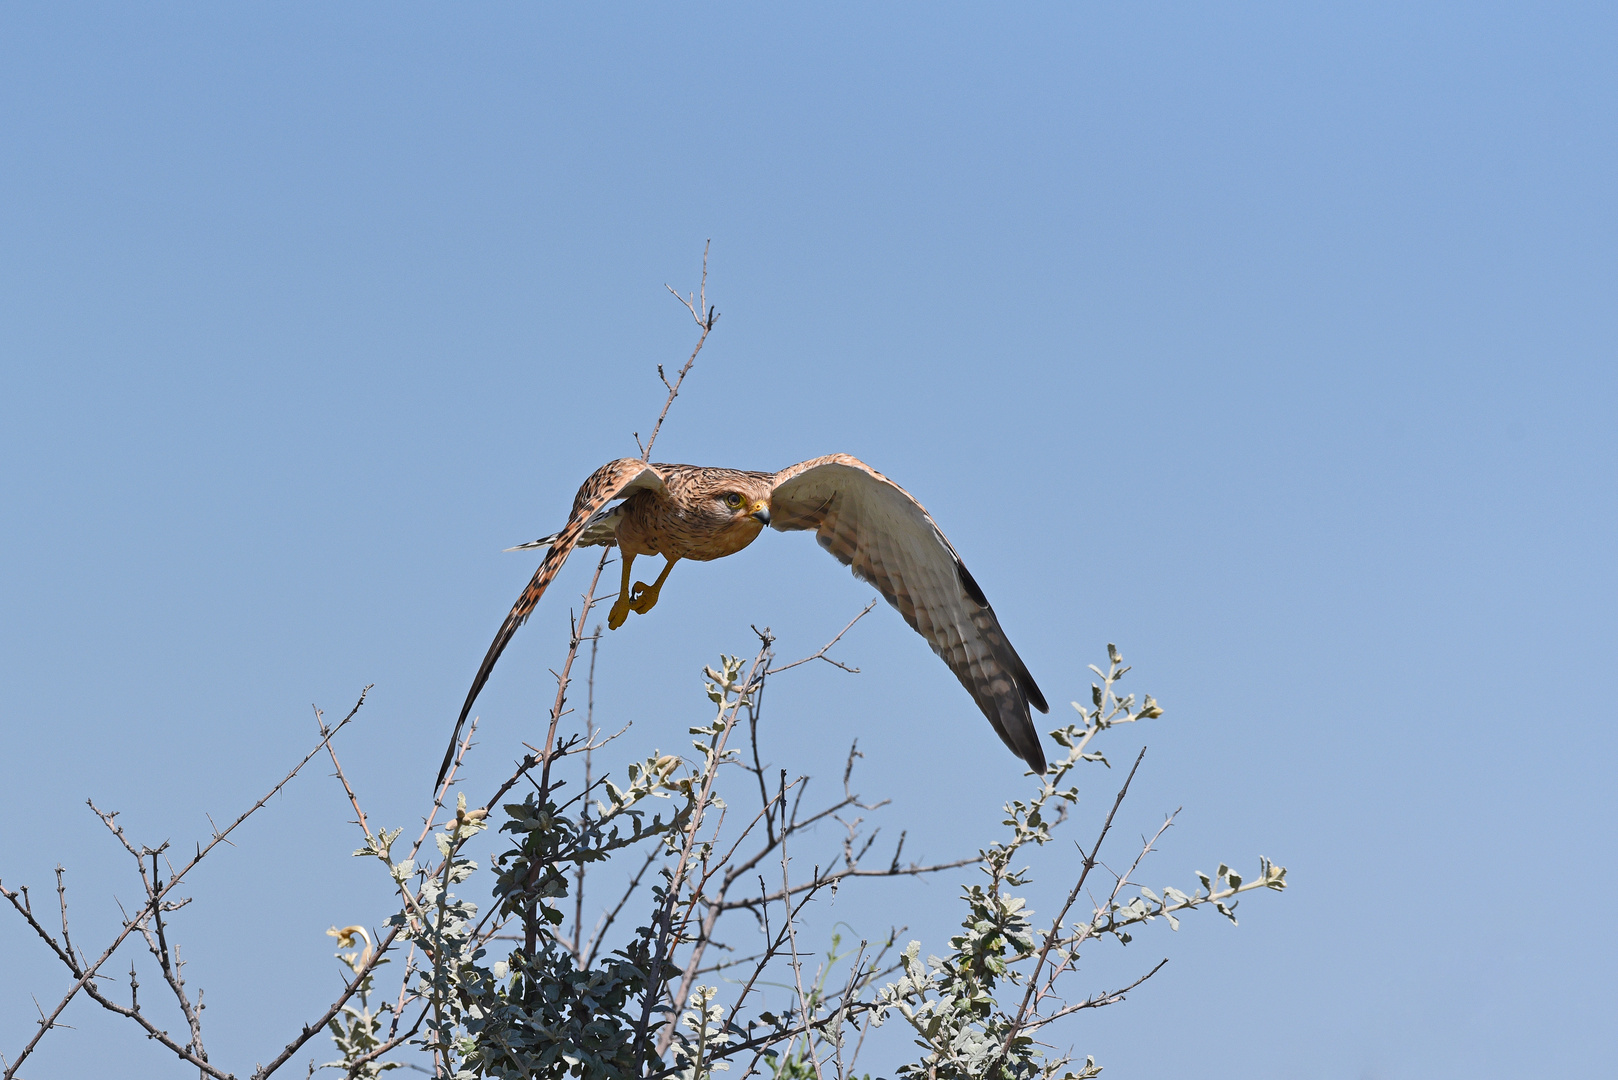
(542, 1009)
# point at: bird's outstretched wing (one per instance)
(874, 526)
(614, 480)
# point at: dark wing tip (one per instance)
(466, 709)
(1006, 707)
(449, 755)
(507, 630)
(1024, 680)
(1035, 757)
(1029, 747)
(1024, 739)
(969, 583)
(1016, 729)
(1035, 698)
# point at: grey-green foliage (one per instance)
(536, 1013)
(533, 1015)
(549, 1009)
(358, 1029)
(965, 1026)
(540, 1014)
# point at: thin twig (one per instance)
(833, 876)
(393, 1041)
(575, 638)
(1095, 1001)
(348, 789)
(664, 917)
(697, 306)
(820, 654)
(584, 803)
(1055, 933)
(309, 1031)
(159, 947)
(599, 934)
(131, 924)
(792, 941)
(61, 900)
(1066, 960)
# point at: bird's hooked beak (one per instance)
(761, 512)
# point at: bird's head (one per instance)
(729, 506)
(746, 502)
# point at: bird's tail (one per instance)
(542, 542)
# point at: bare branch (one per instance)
(664, 917)
(1055, 933)
(61, 901)
(584, 803)
(1095, 1001)
(1066, 962)
(348, 789)
(575, 638)
(820, 654)
(309, 1031)
(599, 935)
(804, 1008)
(696, 306)
(131, 924)
(159, 947)
(153, 1032)
(19, 900)
(832, 876)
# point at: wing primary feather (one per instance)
(554, 558)
(875, 527)
(612, 481)
(1024, 679)
(970, 584)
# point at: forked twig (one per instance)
(1055, 933)
(663, 918)
(563, 679)
(820, 654)
(1095, 1001)
(705, 317)
(131, 924)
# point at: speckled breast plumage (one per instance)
(689, 522)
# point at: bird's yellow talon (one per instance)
(644, 597)
(620, 607)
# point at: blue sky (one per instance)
(1274, 343)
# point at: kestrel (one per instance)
(870, 523)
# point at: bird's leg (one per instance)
(646, 595)
(620, 607)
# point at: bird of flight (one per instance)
(870, 523)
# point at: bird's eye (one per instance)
(733, 500)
